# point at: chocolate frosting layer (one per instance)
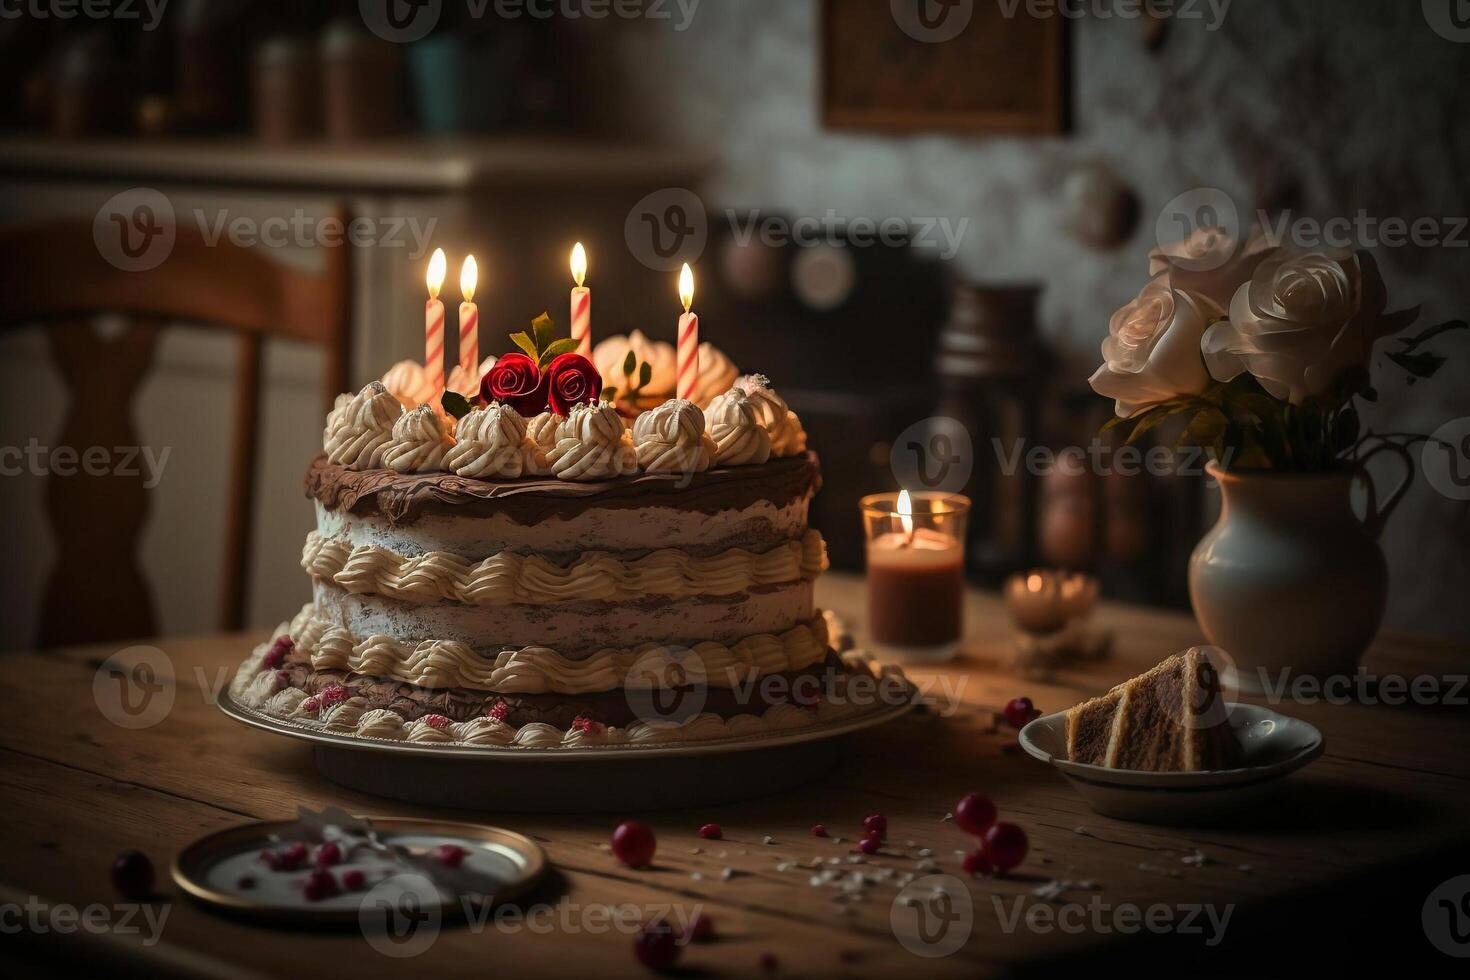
(401, 497)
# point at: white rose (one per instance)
(1210, 263)
(1152, 351)
(1301, 322)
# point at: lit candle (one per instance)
(581, 303)
(434, 325)
(469, 317)
(1042, 602)
(688, 353)
(916, 579)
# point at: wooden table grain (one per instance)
(1389, 802)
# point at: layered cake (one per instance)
(553, 569)
(1171, 719)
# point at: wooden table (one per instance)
(1356, 841)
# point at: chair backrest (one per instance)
(55, 274)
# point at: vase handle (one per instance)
(1376, 517)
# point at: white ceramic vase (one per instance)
(1290, 578)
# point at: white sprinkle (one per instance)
(925, 865)
(768, 839)
(727, 873)
(1080, 831)
(910, 843)
(946, 817)
(854, 859)
(834, 860)
(784, 865)
(815, 881)
(925, 852)
(960, 853)
(1197, 859)
(697, 876)
(604, 847)
(1051, 890)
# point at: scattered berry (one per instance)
(352, 880)
(819, 830)
(498, 711)
(438, 722)
(974, 813)
(633, 843)
(327, 855)
(245, 883)
(1005, 845)
(132, 874)
(288, 858)
(656, 946)
(976, 863)
(319, 885)
(701, 929)
(277, 654)
(712, 831)
(312, 704)
(1019, 711)
(333, 694)
(449, 855)
(585, 723)
(876, 825)
(870, 845)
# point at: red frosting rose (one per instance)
(516, 381)
(572, 380)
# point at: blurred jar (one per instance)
(288, 94)
(363, 84)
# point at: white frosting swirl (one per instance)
(542, 429)
(671, 439)
(362, 432)
(492, 442)
(739, 437)
(467, 383)
(420, 440)
(788, 438)
(716, 374)
(611, 354)
(409, 383)
(592, 444)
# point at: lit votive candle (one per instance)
(1042, 602)
(916, 574)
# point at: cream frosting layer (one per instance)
(539, 670)
(510, 577)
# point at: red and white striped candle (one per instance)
(581, 303)
(688, 351)
(469, 319)
(434, 324)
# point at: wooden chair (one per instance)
(55, 274)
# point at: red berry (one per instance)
(327, 855)
(132, 874)
(656, 946)
(245, 883)
(436, 721)
(498, 711)
(1004, 845)
(976, 863)
(974, 813)
(586, 723)
(333, 694)
(1019, 711)
(289, 858)
(712, 831)
(876, 824)
(312, 704)
(278, 652)
(633, 843)
(271, 858)
(819, 830)
(701, 929)
(319, 885)
(870, 845)
(449, 855)
(352, 880)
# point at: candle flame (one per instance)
(906, 512)
(469, 277)
(438, 264)
(579, 264)
(686, 287)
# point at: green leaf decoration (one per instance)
(630, 364)
(526, 344)
(455, 404)
(645, 374)
(1205, 429)
(564, 346)
(544, 331)
(610, 394)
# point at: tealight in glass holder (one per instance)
(916, 574)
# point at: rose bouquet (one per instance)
(547, 376)
(1262, 352)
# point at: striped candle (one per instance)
(581, 303)
(688, 350)
(469, 318)
(434, 326)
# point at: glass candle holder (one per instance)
(916, 574)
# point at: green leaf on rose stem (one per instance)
(610, 394)
(564, 346)
(526, 344)
(1203, 430)
(455, 404)
(645, 374)
(1152, 419)
(1113, 423)
(630, 364)
(544, 331)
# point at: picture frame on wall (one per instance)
(960, 67)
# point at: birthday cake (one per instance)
(567, 557)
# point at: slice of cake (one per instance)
(1171, 719)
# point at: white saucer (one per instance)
(1273, 746)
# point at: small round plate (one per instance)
(1272, 746)
(211, 868)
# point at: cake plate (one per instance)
(576, 780)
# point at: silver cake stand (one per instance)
(576, 780)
